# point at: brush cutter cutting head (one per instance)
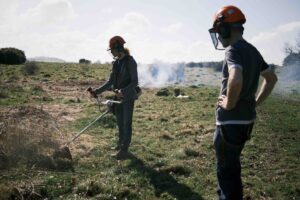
(63, 153)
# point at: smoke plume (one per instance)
(289, 79)
(160, 74)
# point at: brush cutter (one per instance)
(64, 152)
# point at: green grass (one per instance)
(273, 153)
(172, 151)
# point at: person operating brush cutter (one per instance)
(123, 81)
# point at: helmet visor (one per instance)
(213, 34)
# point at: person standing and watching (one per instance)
(235, 112)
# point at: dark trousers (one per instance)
(229, 141)
(124, 113)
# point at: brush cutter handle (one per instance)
(110, 102)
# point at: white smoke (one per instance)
(160, 74)
(290, 73)
(288, 79)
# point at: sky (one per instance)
(154, 30)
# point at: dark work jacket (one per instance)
(125, 78)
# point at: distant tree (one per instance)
(84, 61)
(192, 64)
(12, 56)
(292, 59)
(288, 49)
(297, 46)
(216, 66)
(292, 54)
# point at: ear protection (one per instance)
(224, 30)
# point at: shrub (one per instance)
(12, 56)
(30, 68)
(84, 61)
(162, 92)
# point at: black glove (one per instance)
(92, 92)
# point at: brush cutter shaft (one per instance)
(109, 104)
(88, 126)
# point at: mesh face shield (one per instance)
(214, 37)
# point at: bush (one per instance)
(84, 61)
(162, 92)
(30, 68)
(12, 56)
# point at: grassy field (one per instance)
(172, 155)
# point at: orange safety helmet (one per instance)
(229, 14)
(226, 17)
(116, 41)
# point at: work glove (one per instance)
(92, 92)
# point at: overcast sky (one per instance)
(163, 30)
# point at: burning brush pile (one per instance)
(30, 136)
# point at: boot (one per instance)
(122, 154)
